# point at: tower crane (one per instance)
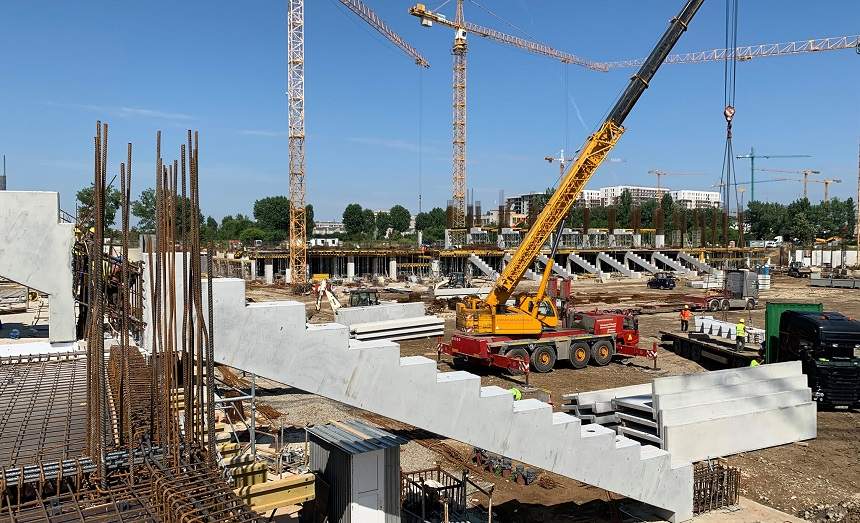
(296, 118)
(535, 315)
(461, 28)
(748, 52)
(806, 174)
(660, 173)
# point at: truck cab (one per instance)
(828, 345)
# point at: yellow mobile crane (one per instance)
(532, 314)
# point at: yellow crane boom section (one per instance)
(592, 154)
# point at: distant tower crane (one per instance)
(296, 118)
(461, 28)
(806, 174)
(752, 156)
(660, 173)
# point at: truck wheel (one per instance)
(750, 305)
(714, 305)
(520, 354)
(725, 305)
(543, 358)
(459, 362)
(601, 353)
(580, 353)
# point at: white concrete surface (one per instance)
(631, 256)
(272, 340)
(669, 262)
(699, 265)
(381, 312)
(34, 348)
(483, 266)
(269, 272)
(741, 433)
(36, 251)
(582, 262)
(616, 265)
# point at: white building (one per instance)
(696, 199)
(611, 195)
(589, 198)
(330, 227)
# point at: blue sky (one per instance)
(219, 67)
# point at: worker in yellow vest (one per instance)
(740, 334)
(516, 393)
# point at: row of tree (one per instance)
(269, 223)
(801, 221)
(360, 223)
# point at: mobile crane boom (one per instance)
(525, 316)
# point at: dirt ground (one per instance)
(817, 480)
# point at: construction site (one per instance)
(590, 351)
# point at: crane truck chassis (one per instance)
(593, 337)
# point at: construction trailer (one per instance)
(359, 466)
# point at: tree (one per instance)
(273, 212)
(368, 219)
(145, 206)
(250, 234)
(353, 220)
(667, 205)
(625, 206)
(431, 224)
(210, 229)
(383, 222)
(231, 228)
(113, 200)
(400, 218)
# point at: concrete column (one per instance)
(637, 240)
(434, 268)
(269, 271)
(659, 241)
(420, 236)
(392, 268)
(350, 267)
(253, 269)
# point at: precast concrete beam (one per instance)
(36, 251)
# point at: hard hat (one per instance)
(686, 306)
(741, 320)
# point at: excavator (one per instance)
(494, 332)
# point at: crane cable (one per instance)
(728, 177)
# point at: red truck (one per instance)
(589, 337)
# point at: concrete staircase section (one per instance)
(642, 262)
(669, 262)
(616, 265)
(483, 266)
(36, 251)
(273, 340)
(582, 262)
(530, 274)
(693, 261)
(557, 268)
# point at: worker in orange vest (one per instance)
(685, 318)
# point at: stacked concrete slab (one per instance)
(390, 321)
(713, 414)
(597, 406)
(36, 251)
(725, 329)
(272, 339)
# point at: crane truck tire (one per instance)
(580, 354)
(518, 353)
(602, 352)
(543, 358)
(725, 305)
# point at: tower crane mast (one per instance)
(461, 28)
(296, 118)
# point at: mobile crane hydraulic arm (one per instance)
(593, 153)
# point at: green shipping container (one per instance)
(773, 312)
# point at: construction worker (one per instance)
(740, 334)
(685, 318)
(755, 361)
(517, 394)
